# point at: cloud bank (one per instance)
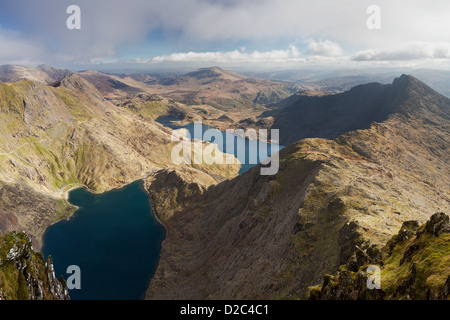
(406, 51)
(324, 48)
(292, 53)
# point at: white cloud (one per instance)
(407, 51)
(324, 48)
(292, 53)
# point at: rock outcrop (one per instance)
(42, 73)
(414, 264)
(24, 274)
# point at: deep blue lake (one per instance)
(115, 240)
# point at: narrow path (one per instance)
(21, 146)
(326, 155)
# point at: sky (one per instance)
(257, 33)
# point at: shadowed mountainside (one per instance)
(313, 116)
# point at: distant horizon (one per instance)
(186, 68)
(181, 68)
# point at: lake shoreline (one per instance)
(122, 220)
(143, 185)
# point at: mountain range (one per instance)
(329, 116)
(357, 165)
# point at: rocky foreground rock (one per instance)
(414, 264)
(25, 274)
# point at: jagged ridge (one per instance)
(330, 116)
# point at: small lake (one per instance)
(115, 240)
(252, 147)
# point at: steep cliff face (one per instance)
(24, 274)
(22, 207)
(414, 264)
(42, 73)
(273, 236)
(55, 138)
(217, 237)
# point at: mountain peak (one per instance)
(332, 115)
(42, 73)
(406, 79)
(77, 83)
(413, 85)
(417, 99)
(75, 78)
